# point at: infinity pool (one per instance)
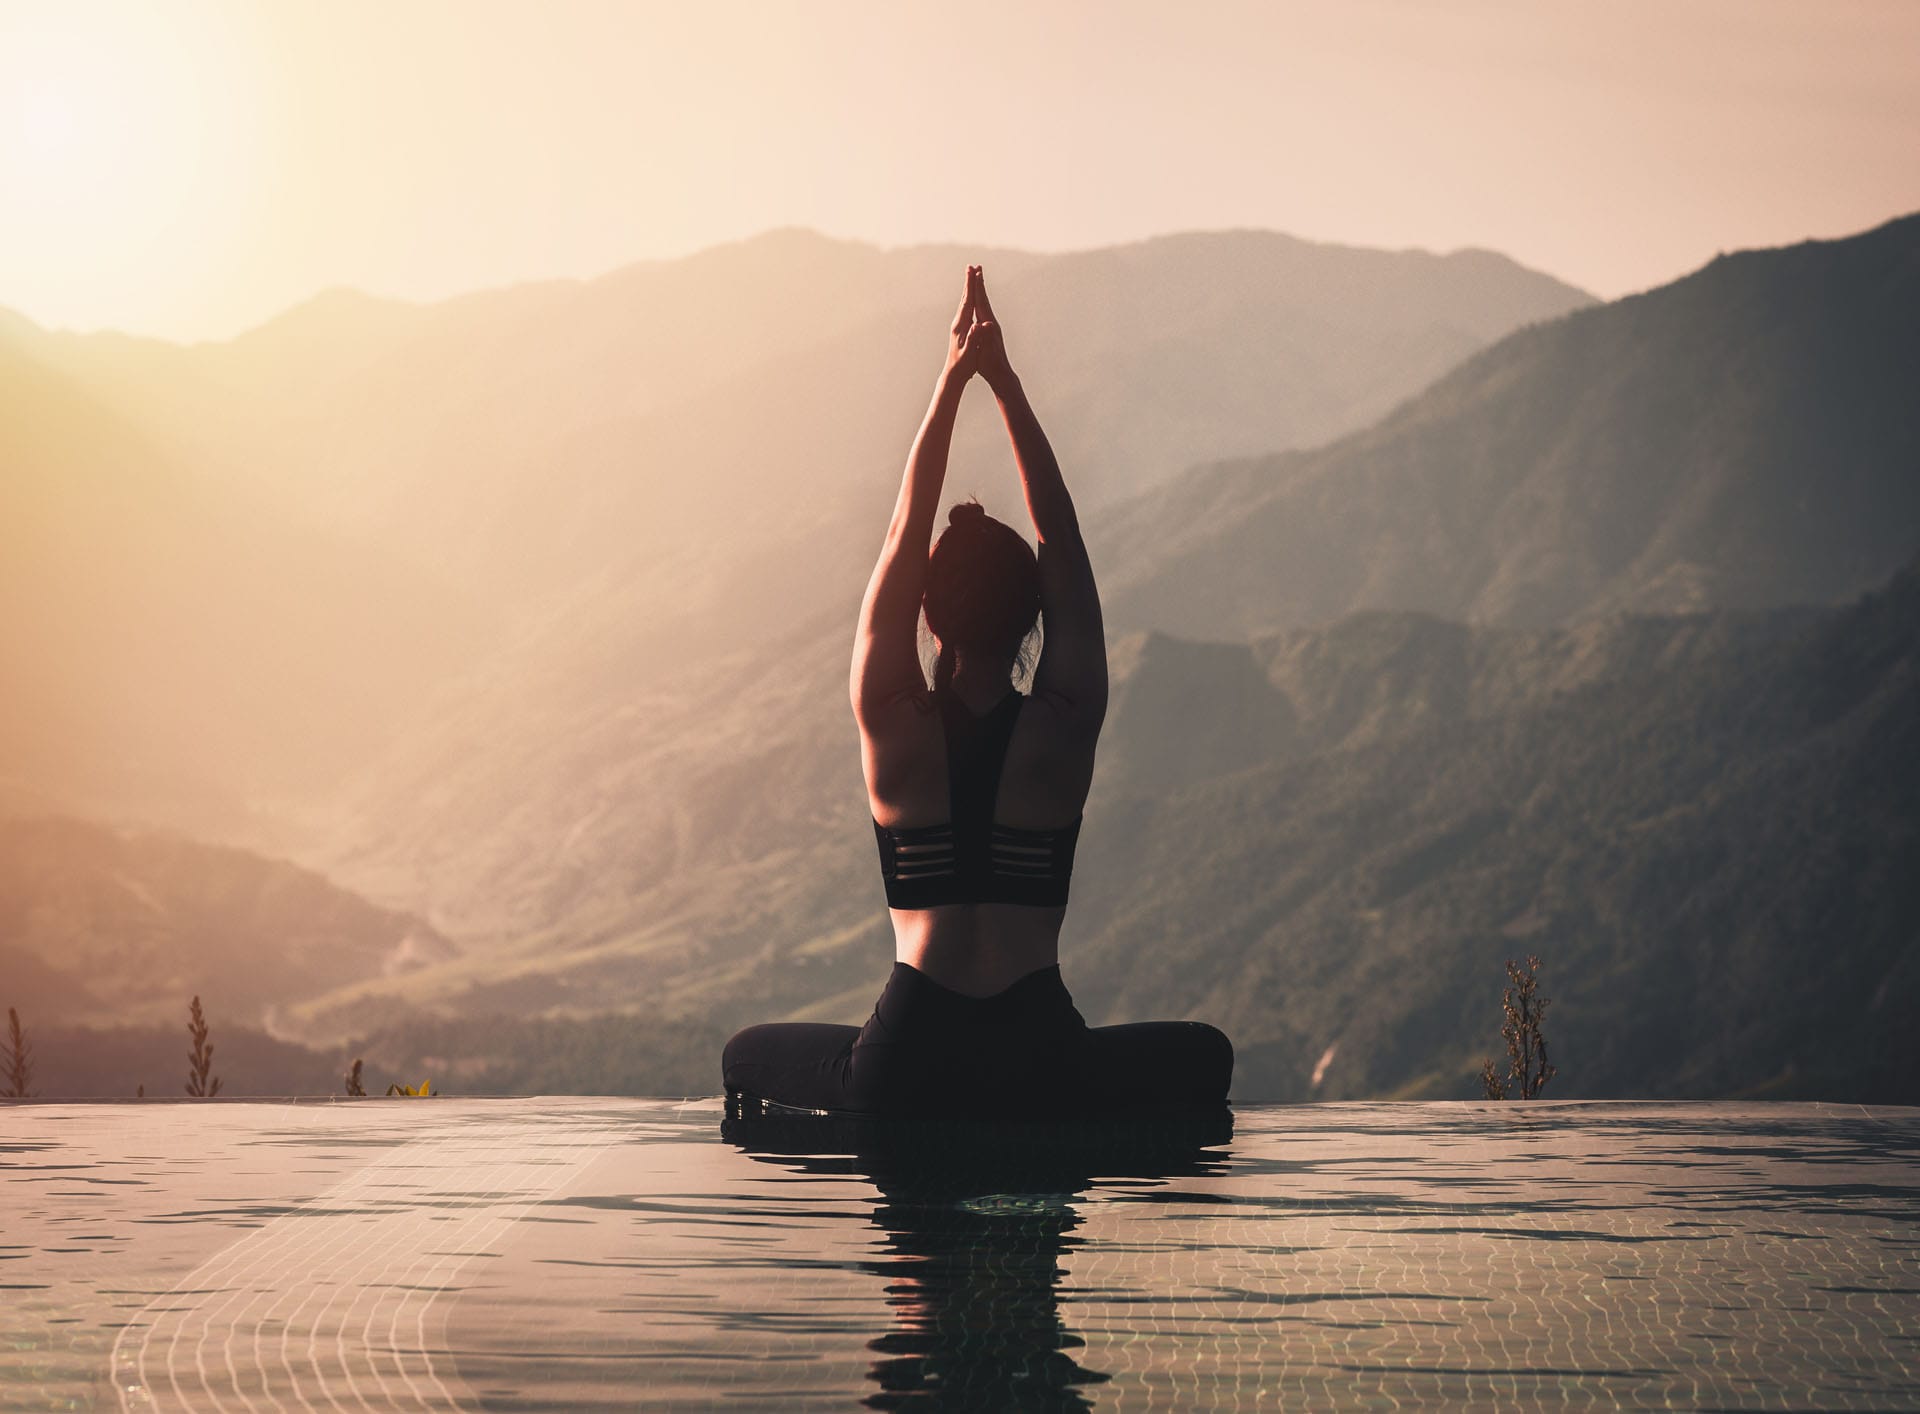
(578, 1254)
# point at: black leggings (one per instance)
(930, 1050)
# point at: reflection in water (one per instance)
(977, 1217)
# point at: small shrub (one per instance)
(354, 1087)
(1491, 1083)
(19, 1059)
(1527, 1064)
(201, 1057)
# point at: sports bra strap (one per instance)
(970, 858)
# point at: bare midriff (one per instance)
(977, 949)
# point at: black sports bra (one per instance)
(970, 859)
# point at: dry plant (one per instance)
(424, 1092)
(201, 1057)
(1527, 1064)
(19, 1059)
(354, 1087)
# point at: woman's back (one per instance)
(977, 821)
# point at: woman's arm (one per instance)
(886, 655)
(1072, 673)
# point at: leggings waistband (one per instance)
(1040, 991)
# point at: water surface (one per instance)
(576, 1254)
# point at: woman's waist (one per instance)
(978, 949)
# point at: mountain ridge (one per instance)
(329, 297)
(1513, 487)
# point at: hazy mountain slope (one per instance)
(304, 542)
(335, 400)
(1148, 358)
(721, 807)
(1184, 712)
(1747, 436)
(621, 839)
(1689, 818)
(575, 703)
(640, 791)
(419, 422)
(710, 853)
(1712, 850)
(689, 833)
(109, 929)
(167, 650)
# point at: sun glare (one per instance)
(73, 138)
(47, 123)
(114, 140)
(72, 151)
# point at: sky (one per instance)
(189, 169)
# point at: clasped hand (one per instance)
(977, 345)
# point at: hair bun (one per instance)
(967, 513)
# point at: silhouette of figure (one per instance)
(976, 793)
(978, 1217)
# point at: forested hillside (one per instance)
(1710, 845)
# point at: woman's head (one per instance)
(983, 589)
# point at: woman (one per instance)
(976, 793)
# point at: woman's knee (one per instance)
(1213, 1057)
(796, 1062)
(741, 1048)
(1201, 1059)
(1185, 1060)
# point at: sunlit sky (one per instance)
(190, 168)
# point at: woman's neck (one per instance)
(981, 687)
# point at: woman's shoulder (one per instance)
(1048, 765)
(903, 757)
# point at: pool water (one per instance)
(580, 1254)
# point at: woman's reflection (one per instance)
(977, 1218)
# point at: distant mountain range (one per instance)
(1536, 662)
(106, 929)
(178, 650)
(1745, 437)
(598, 776)
(289, 542)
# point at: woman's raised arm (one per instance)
(1072, 674)
(886, 654)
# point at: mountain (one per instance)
(1743, 438)
(562, 797)
(236, 569)
(1709, 844)
(103, 928)
(177, 650)
(1385, 712)
(1688, 817)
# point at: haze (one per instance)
(187, 171)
